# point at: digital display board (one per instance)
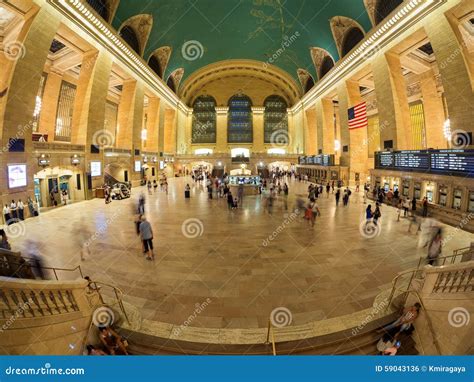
(449, 162)
(96, 169)
(318, 160)
(17, 175)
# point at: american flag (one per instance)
(358, 116)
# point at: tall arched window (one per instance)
(240, 127)
(309, 84)
(204, 120)
(154, 64)
(384, 7)
(171, 84)
(276, 118)
(352, 38)
(101, 7)
(131, 38)
(326, 65)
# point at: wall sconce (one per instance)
(145, 159)
(337, 145)
(75, 160)
(43, 161)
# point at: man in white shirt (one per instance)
(21, 212)
(13, 211)
(6, 214)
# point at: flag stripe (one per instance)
(358, 116)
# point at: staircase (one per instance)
(109, 180)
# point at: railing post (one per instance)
(267, 342)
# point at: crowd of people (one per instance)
(15, 211)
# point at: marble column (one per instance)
(221, 116)
(258, 130)
(19, 105)
(392, 101)
(325, 117)
(434, 111)
(170, 131)
(153, 123)
(454, 73)
(126, 116)
(311, 136)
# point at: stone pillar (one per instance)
(153, 123)
(170, 131)
(221, 116)
(392, 101)
(161, 129)
(311, 136)
(325, 115)
(258, 130)
(136, 128)
(49, 104)
(21, 99)
(358, 150)
(454, 73)
(434, 111)
(343, 118)
(183, 136)
(125, 118)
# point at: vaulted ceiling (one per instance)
(202, 32)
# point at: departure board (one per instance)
(318, 160)
(459, 162)
(412, 160)
(447, 162)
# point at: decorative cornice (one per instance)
(408, 15)
(80, 13)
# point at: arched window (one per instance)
(170, 83)
(154, 64)
(384, 7)
(352, 38)
(130, 37)
(204, 120)
(240, 127)
(101, 7)
(326, 66)
(309, 84)
(276, 118)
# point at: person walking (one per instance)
(413, 206)
(425, 207)
(368, 213)
(338, 196)
(146, 234)
(4, 244)
(406, 207)
(187, 191)
(435, 248)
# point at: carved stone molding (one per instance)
(340, 25)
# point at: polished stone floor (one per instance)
(227, 256)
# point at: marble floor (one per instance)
(241, 264)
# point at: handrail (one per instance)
(54, 269)
(271, 332)
(118, 295)
(428, 320)
(454, 256)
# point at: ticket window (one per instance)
(471, 201)
(386, 186)
(443, 196)
(395, 186)
(457, 199)
(430, 193)
(406, 188)
(417, 193)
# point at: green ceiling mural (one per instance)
(202, 32)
